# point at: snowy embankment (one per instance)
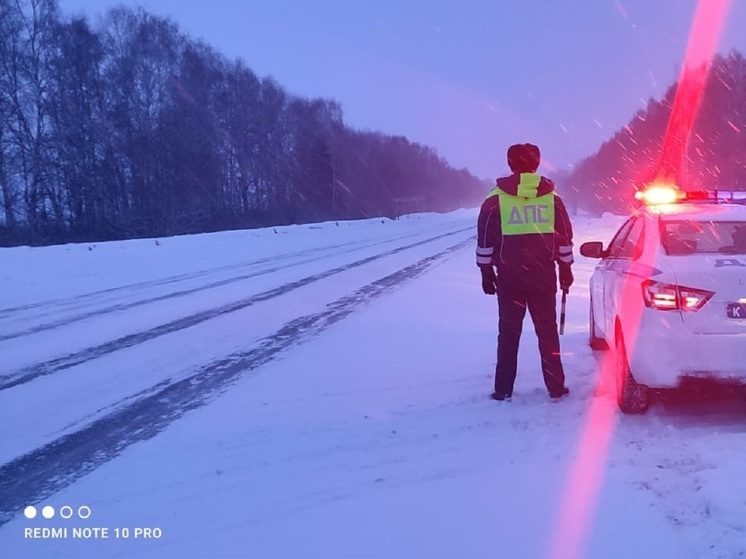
(322, 391)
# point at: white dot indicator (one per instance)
(29, 512)
(84, 512)
(66, 512)
(47, 512)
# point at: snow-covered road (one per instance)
(331, 388)
(117, 352)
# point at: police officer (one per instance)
(522, 231)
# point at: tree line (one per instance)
(134, 129)
(711, 155)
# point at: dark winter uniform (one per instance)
(523, 229)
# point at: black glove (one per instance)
(565, 276)
(488, 280)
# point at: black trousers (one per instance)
(539, 296)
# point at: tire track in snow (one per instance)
(32, 372)
(35, 476)
(334, 250)
(154, 283)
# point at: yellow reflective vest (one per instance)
(526, 213)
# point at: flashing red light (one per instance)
(659, 194)
(699, 195)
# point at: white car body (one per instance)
(665, 346)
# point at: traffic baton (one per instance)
(562, 312)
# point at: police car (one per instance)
(669, 293)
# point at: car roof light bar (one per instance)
(657, 194)
(732, 196)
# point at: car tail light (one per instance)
(670, 297)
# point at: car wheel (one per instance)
(631, 397)
(596, 342)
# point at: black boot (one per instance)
(561, 394)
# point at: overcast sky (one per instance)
(468, 77)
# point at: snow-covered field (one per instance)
(323, 391)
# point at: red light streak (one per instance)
(703, 39)
(581, 493)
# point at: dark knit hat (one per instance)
(523, 158)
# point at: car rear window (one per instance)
(689, 237)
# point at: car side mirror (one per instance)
(593, 249)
